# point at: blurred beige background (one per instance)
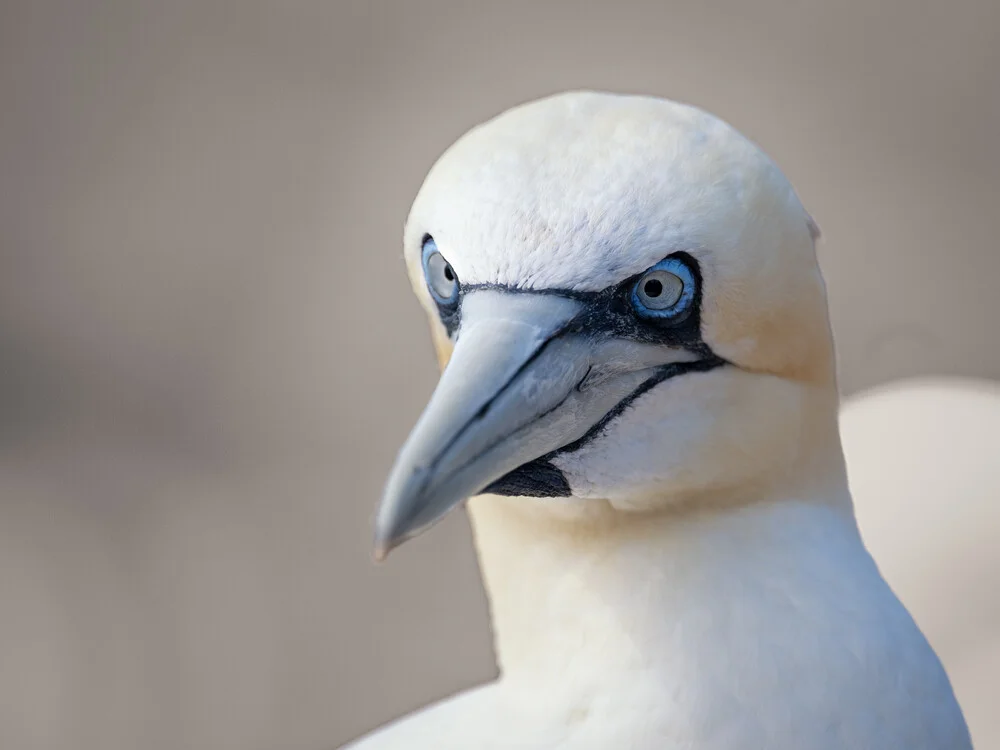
(209, 353)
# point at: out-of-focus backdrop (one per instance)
(209, 353)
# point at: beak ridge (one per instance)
(490, 389)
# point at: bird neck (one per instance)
(627, 588)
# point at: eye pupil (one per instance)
(448, 273)
(653, 288)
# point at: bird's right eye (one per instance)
(442, 281)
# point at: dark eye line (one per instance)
(608, 310)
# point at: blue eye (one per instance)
(442, 280)
(665, 291)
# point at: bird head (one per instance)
(624, 296)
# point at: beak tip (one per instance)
(384, 544)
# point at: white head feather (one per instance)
(581, 190)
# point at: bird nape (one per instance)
(640, 398)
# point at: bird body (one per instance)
(765, 627)
(639, 393)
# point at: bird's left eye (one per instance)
(665, 291)
(441, 278)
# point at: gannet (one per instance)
(639, 395)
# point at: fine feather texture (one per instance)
(702, 583)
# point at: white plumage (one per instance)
(687, 572)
